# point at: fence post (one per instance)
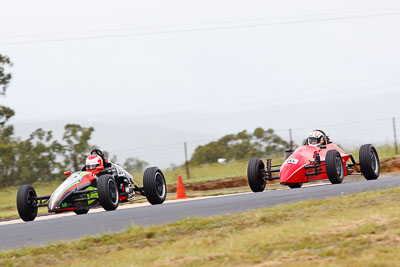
(396, 149)
(186, 162)
(291, 139)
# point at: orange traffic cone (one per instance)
(180, 189)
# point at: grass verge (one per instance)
(356, 230)
(207, 172)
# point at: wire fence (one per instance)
(353, 134)
(380, 132)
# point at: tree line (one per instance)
(240, 146)
(40, 157)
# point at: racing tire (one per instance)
(107, 190)
(26, 205)
(369, 162)
(334, 166)
(295, 185)
(255, 177)
(155, 187)
(81, 212)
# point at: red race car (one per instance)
(317, 159)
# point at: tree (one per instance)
(5, 77)
(77, 145)
(242, 145)
(135, 164)
(7, 143)
(267, 142)
(5, 112)
(37, 157)
(7, 162)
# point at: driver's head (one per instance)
(315, 138)
(93, 161)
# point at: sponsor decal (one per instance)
(64, 205)
(92, 194)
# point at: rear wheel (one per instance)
(108, 192)
(334, 166)
(295, 185)
(369, 162)
(26, 204)
(154, 185)
(255, 175)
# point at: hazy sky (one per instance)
(210, 67)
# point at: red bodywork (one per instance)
(293, 171)
(85, 181)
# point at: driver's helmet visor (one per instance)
(91, 167)
(314, 140)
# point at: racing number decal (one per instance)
(292, 161)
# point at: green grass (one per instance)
(384, 152)
(356, 230)
(208, 172)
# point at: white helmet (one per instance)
(315, 138)
(93, 161)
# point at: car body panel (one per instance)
(77, 181)
(293, 169)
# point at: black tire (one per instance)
(82, 211)
(255, 176)
(334, 166)
(295, 185)
(108, 192)
(369, 162)
(154, 185)
(26, 206)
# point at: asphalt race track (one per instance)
(40, 232)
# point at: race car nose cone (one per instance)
(292, 173)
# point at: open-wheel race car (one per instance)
(310, 162)
(106, 185)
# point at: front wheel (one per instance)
(369, 162)
(255, 175)
(82, 211)
(334, 166)
(26, 203)
(154, 185)
(295, 185)
(108, 192)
